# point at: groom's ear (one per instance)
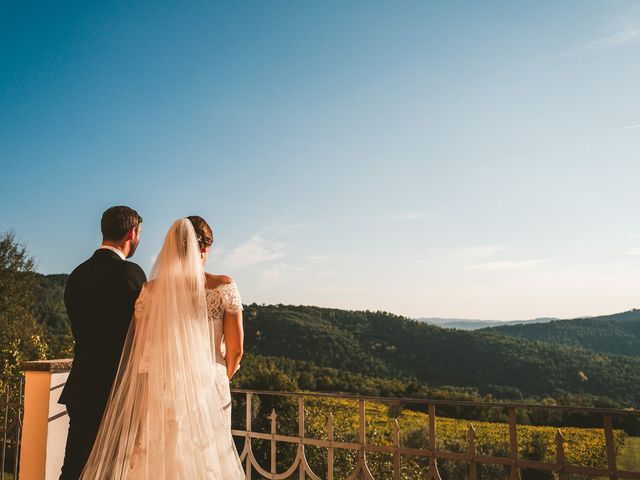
(131, 233)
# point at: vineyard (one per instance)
(583, 446)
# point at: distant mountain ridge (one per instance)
(468, 324)
(617, 334)
(475, 324)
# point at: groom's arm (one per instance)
(134, 278)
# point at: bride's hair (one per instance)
(203, 231)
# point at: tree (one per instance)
(21, 337)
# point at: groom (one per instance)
(99, 296)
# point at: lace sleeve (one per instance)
(231, 301)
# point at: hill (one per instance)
(50, 312)
(382, 344)
(380, 352)
(613, 334)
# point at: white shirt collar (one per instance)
(113, 249)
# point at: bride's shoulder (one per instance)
(215, 281)
(224, 293)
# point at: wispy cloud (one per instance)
(396, 217)
(459, 257)
(629, 127)
(287, 271)
(625, 36)
(475, 251)
(509, 265)
(402, 217)
(255, 250)
(318, 258)
(287, 228)
(275, 272)
(623, 31)
(324, 273)
(391, 217)
(336, 288)
(292, 228)
(634, 251)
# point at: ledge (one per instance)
(54, 366)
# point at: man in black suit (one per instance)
(100, 295)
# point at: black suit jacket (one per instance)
(100, 295)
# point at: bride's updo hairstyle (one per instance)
(203, 231)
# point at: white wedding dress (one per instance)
(169, 412)
(224, 298)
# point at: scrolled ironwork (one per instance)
(513, 463)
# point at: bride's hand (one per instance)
(231, 374)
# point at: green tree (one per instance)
(21, 337)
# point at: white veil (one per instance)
(164, 417)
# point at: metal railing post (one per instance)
(513, 440)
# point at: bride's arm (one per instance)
(233, 340)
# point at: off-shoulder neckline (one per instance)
(217, 286)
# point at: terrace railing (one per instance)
(513, 463)
(45, 433)
(11, 405)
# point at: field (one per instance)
(583, 446)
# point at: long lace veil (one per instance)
(164, 417)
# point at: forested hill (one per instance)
(388, 350)
(382, 344)
(616, 334)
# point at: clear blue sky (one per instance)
(459, 159)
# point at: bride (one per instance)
(169, 411)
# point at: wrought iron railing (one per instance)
(513, 464)
(11, 405)
(362, 447)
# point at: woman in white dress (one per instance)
(169, 412)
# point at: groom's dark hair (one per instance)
(117, 221)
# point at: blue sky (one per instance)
(458, 159)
